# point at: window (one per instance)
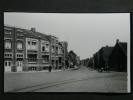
(43, 48)
(56, 49)
(32, 58)
(45, 58)
(33, 47)
(5, 63)
(19, 33)
(19, 45)
(7, 31)
(28, 44)
(47, 45)
(32, 68)
(8, 55)
(59, 50)
(19, 55)
(9, 63)
(52, 49)
(7, 44)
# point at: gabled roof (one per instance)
(43, 36)
(123, 45)
(31, 34)
(106, 52)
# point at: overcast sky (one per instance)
(85, 33)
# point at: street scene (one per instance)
(56, 52)
(81, 79)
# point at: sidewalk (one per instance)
(42, 71)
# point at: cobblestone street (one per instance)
(74, 80)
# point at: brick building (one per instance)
(104, 53)
(118, 57)
(27, 50)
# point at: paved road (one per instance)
(80, 80)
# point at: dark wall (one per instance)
(118, 59)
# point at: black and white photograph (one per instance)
(67, 52)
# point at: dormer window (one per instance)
(8, 31)
(19, 33)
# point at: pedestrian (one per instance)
(50, 68)
(107, 69)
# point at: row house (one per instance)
(26, 50)
(73, 59)
(64, 46)
(90, 62)
(96, 60)
(103, 55)
(100, 58)
(114, 57)
(118, 57)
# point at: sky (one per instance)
(85, 33)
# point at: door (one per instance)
(19, 64)
(7, 66)
(56, 64)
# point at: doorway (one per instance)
(7, 65)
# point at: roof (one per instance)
(106, 52)
(123, 45)
(43, 36)
(31, 34)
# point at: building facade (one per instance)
(118, 57)
(28, 50)
(115, 57)
(103, 55)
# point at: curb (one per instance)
(42, 71)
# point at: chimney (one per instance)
(117, 41)
(39, 37)
(33, 29)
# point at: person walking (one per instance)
(50, 68)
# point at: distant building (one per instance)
(64, 46)
(118, 57)
(96, 60)
(90, 63)
(73, 60)
(103, 55)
